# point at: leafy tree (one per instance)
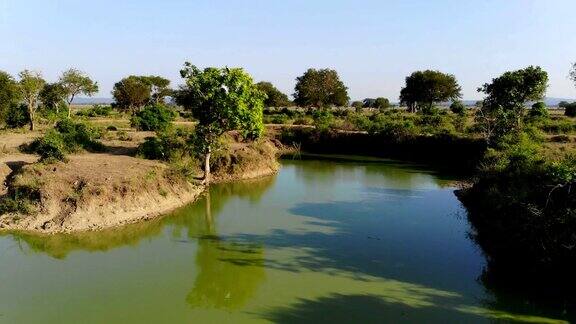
(31, 84)
(320, 88)
(274, 97)
(17, 116)
(75, 82)
(424, 88)
(9, 94)
(381, 103)
(458, 107)
(507, 95)
(159, 88)
(53, 95)
(132, 93)
(221, 99)
(539, 109)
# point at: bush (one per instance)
(168, 146)
(96, 111)
(323, 119)
(112, 128)
(66, 137)
(458, 107)
(539, 110)
(153, 118)
(17, 116)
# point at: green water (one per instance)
(322, 241)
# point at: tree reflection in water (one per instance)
(229, 272)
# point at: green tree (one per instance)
(274, 97)
(9, 94)
(221, 99)
(75, 82)
(504, 106)
(424, 88)
(53, 95)
(31, 84)
(320, 88)
(132, 93)
(381, 103)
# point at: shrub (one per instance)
(153, 118)
(17, 116)
(458, 107)
(539, 110)
(112, 128)
(66, 137)
(323, 119)
(96, 111)
(168, 146)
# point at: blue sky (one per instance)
(372, 44)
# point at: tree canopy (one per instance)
(132, 93)
(424, 88)
(221, 99)
(75, 82)
(506, 98)
(31, 84)
(53, 95)
(274, 97)
(320, 88)
(9, 93)
(159, 87)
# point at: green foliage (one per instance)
(539, 110)
(503, 108)
(17, 116)
(323, 119)
(458, 107)
(31, 84)
(274, 98)
(9, 94)
(153, 118)
(358, 105)
(424, 88)
(67, 137)
(52, 96)
(570, 109)
(96, 111)
(75, 82)
(132, 93)
(320, 88)
(222, 99)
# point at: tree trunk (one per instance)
(70, 106)
(31, 115)
(207, 166)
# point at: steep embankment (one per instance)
(98, 191)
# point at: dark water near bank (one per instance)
(322, 241)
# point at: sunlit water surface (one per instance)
(323, 241)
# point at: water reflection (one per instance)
(229, 272)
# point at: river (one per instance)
(322, 241)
